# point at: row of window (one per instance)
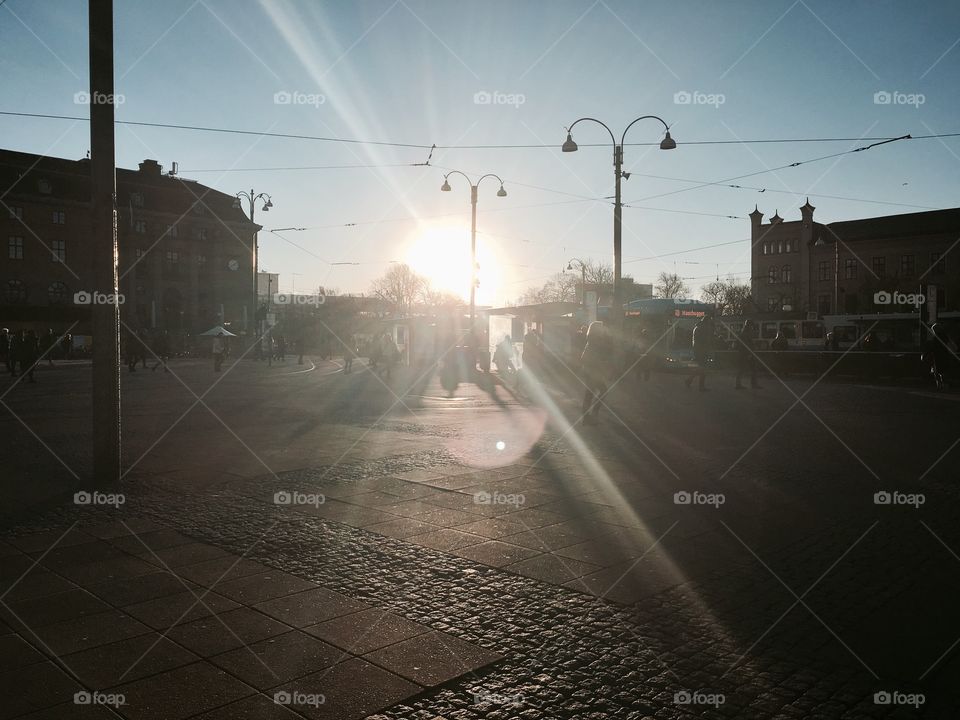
(16, 292)
(782, 274)
(45, 187)
(778, 247)
(139, 226)
(58, 250)
(779, 303)
(59, 216)
(908, 266)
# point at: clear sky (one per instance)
(409, 71)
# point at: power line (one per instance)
(424, 146)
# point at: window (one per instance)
(906, 265)
(823, 270)
(786, 275)
(879, 266)
(15, 247)
(44, 187)
(59, 217)
(16, 213)
(938, 264)
(173, 257)
(788, 246)
(136, 199)
(202, 234)
(57, 292)
(202, 260)
(780, 247)
(772, 304)
(850, 269)
(823, 304)
(766, 248)
(140, 227)
(59, 249)
(139, 253)
(172, 230)
(15, 291)
(772, 274)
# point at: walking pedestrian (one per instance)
(161, 348)
(66, 346)
(702, 347)
(219, 348)
(29, 353)
(13, 354)
(595, 365)
(48, 344)
(644, 355)
(746, 360)
(5, 348)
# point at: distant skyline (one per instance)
(504, 73)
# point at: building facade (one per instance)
(185, 251)
(852, 267)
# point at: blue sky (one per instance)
(408, 71)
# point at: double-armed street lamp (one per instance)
(569, 145)
(252, 198)
(583, 278)
(473, 238)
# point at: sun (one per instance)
(442, 255)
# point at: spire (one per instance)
(776, 218)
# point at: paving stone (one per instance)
(547, 539)
(120, 528)
(70, 556)
(179, 555)
(255, 707)
(279, 659)
(33, 687)
(42, 541)
(374, 499)
(181, 693)
(432, 659)
(310, 607)
(263, 586)
(182, 608)
(217, 634)
(128, 660)
(445, 539)
(77, 634)
(495, 553)
(37, 583)
(493, 528)
(132, 590)
(352, 690)
(402, 528)
(15, 652)
(38, 612)
(209, 572)
(143, 543)
(447, 517)
(73, 711)
(552, 569)
(106, 570)
(366, 630)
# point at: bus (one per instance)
(800, 334)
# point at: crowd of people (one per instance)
(22, 350)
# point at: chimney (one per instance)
(151, 168)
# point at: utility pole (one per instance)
(103, 186)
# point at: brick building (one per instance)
(185, 250)
(803, 266)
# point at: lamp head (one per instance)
(569, 266)
(267, 205)
(501, 192)
(569, 145)
(446, 185)
(668, 143)
(236, 204)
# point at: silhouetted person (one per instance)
(5, 349)
(595, 365)
(66, 346)
(29, 353)
(219, 349)
(779, 343)
(644, 354)
(161, 348)
(746, 360)
(48, 345)
(702, 347)
(13, 354)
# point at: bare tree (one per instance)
(598, 273)
(562, 287)
(671, 286)
(730, 296)
(439, 298)
(400, 287)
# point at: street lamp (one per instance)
(583, 277)
(473, 237)
(252, 198)
(668, 143)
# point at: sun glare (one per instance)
(442, 255)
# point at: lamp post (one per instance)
(583, 279)
(569, 145)
(252, 199)
(473, 239)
